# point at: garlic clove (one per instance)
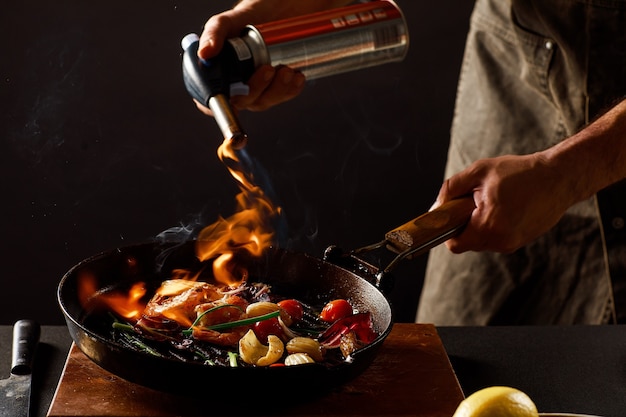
(253, 352)
(306, 345)
(298, 359)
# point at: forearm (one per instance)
(595, 157)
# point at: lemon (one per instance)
(497, 402)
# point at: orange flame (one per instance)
(248, 230)
(128, 305)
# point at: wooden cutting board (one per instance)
(411, 376)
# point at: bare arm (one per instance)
(596, 155)
(518, 198)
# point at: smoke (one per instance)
(181, 233)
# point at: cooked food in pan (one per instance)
(242, 325)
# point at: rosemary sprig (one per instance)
(123, 327)
(137, 342)
(207, 360)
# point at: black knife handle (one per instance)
(25, 339)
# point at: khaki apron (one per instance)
(535, 72)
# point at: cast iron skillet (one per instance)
(291, 274)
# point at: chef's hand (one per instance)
(517, 198)
(269, 86)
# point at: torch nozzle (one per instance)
(210, 83)
(227, 121)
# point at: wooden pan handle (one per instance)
(432, 228)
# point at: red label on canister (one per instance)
(329, 21)
(334, 41)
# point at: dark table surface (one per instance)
(579, 369)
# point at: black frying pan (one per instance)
(296, 275)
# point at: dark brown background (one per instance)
(100, 145)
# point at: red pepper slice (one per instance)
(360, 323)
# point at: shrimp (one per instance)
(234, 308)
(176, 301)
(179, 303)
(218, 338)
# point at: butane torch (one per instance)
(320, 44)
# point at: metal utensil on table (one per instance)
(15, 390)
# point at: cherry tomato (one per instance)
(335, 310)
(264, 328)
(293, 308)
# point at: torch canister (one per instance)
(318, 45)
(333, 41)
